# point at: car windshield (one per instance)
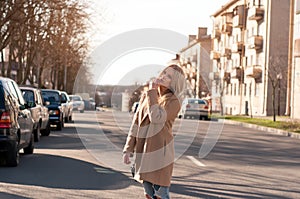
(28, 96)
(75, 98)
(52, 97)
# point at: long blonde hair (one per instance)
(177, 84)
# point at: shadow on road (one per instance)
(62, 172)
(10, 196)
(59, 171)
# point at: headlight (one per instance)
(54, 112)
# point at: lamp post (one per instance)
(279, 77)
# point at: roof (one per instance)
(224, 7)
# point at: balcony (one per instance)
(214, 75)
(215, 55)
(254, 72)
(238, 47)
(227, 17)
(256, 42)
(216, 34)
(239, 16)
(227, 28)
(226, 76)
(226, 52)
(236, 73)
(256, 13)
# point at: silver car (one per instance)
(78, 103)
(194, 108)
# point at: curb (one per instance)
(263, 128)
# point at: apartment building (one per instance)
(195, 61)
(249, 56)
(295, 69)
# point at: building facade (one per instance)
(195, 61)
(295, 69)
(249, 56)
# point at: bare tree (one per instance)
(44, 36)
(277, 74)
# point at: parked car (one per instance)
(194, 108)
(55, 108)
(39, 111)
(89, 104)
(67, 106)
(78, 103)
(16, 123)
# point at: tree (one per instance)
(45, 40)
(277, 74)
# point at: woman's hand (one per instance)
(126, 158)
(153, 84)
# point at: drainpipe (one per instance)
(290, 58)
(264, 111)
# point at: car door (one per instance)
(44, 110)
(24, 113)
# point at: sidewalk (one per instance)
(268, 129)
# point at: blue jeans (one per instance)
(155, 190)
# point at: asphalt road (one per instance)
(213, 160)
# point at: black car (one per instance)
(55, 108)
(16, 123)
(39, 111)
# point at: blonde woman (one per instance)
(150, 136)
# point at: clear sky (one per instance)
(115, 17)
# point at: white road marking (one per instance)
(197, 162)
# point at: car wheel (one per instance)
(29, 149)
(81, 111)
(13, 157)
(46, 132)
(59, 126)
(37, 133)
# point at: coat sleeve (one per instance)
(159, 114)
(131, 137)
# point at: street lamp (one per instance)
(279, 77)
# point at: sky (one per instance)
(114, 20)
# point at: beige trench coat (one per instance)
(151, 138)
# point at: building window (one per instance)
(245, 89)
(298, 7)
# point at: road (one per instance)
(84, 161)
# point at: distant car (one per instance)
(92, 104)
(67, 106)
(55, 108)
(78, 103)
(39, 111)
(194, 108)
(16, 123)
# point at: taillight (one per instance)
(205, 107)
(5, 121)
(188, 106)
